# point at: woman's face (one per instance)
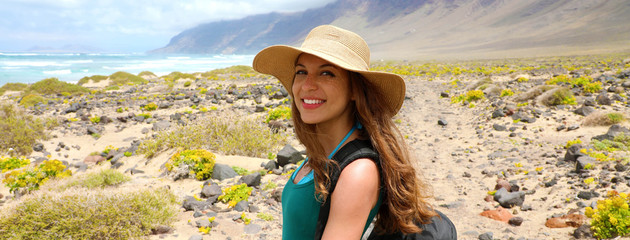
(321, 91)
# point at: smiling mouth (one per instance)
(313, 101)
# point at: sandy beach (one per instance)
(463, 149)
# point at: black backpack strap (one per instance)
(353, 150)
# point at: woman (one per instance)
(338, 100)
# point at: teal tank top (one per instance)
(300, 210)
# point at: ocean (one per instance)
(70, 67)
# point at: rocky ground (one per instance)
(464, 152)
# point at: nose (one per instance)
(309, 82)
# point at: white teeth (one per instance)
(312, 101)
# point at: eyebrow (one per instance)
(322, 66)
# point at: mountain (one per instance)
(427, 29)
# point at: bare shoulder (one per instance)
(360, 175)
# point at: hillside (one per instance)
(431, 29)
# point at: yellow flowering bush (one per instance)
(280, 112)
(235, 194)
(31, 179)
(150, 107)
(10, 163)
(612, 216)
(200, 161)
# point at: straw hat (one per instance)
(337, 46)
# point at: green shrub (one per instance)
(150, 107)
(31, 179)
(522, 79)
(187, 83)
(506, 92)
(94, 78)
(620, 142)
(234, 194)
(31, 100)
(560, 96)
(201, 162)
(269, 185)
(20, 131)
(12, 87)
(54, 86)
(10, 163)
(612, 216)
(615, 117)
(240, 171)
(174, 76)
(228, 135)
(114, 87)
(121, 78)
(94, 214)
(470, 96)
(265, 216)
(101, 179)
(146, 73)
(593, 87)
(95, 119)
(281, 112)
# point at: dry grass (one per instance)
(604, 119)
(533, 93)
(78, 213)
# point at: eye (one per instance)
(300, 72)
(328, 73)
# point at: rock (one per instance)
(509, 199)
(584, 161)
(288, 154)
(196, 237)
(444, 94)
(573, 153)
(551, 183)
(516, 221)
(584, 110)
(485, 236)
(161, 229)
(38, 147)
(498, 113)
(561, 127)
(620, 167)
(191, 204)
(499, 127)
(241, 206)
(203, 222)
(587, 195)
(94, 159)
(603, 99)
(161, 125)
(210, 190)
(276, 194)
(583, 231)
(222, 172)
(252, 228)
(613, 131)
(589, 101)
(92, 130)
(570, 220)
(573, 127)
(259, 108)
(442, 122)
(502, 183)
(252, 180)
(180, 172)
(499, 214)
(270, 166)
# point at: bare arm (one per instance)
(354, 196)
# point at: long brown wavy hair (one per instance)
(405, 198)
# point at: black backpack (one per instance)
(440, 227)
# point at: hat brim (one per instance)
(279, 61)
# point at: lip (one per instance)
(319, 103)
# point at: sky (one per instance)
(120, 25)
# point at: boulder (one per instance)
(288, 154)
(499, 214)
(222, 172)
(509, 199)
(252, 180)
